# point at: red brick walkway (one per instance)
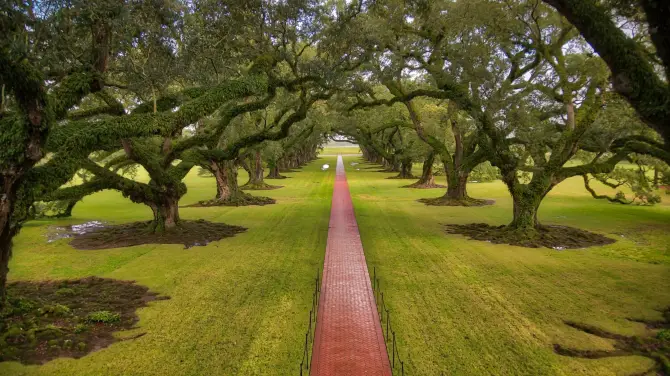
(348, 339)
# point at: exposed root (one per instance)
(556, 237)
(446, 201)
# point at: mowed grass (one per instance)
(464, 307)
(238, 306)
(340, 150)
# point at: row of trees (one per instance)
(542, 90)
(103, 87)
(512, 83)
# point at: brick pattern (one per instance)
(348, 339)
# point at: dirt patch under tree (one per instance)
(260, 187)
(188, 233)
(69, 318)
(556, 237)
(655, 346)
(418, 185)
(239, 200)
(445, 201)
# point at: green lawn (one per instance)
(343, 150)
(463, 307)
(238, 306)
(460, 307)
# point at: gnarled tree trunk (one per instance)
(405, 170)
(226, 180)
(255, 171)
(166, 214)
(274, 173)
(427, 179)
(228, 192)
(457, 182)
(527, 199)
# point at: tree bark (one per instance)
(527, 198)
(427, 179)
(68, 209)
(457, 182)
(405, 170)
(274, 173)
(166, 214)
(7, 203)
(525, 213)
(256, 171)
(225, 174)
(5, 250)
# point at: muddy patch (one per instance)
(69, 318)
(188, 233)
(555, 237)
(55, 233)
(655, 346)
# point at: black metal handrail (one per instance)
(397, 364)
(306, 362)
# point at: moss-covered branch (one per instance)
(634, 75)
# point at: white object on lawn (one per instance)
(325, 167)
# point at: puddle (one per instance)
(55, 233)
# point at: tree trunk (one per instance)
(525, 212)
(527, 199)
(427, 179)
(5, 254)
(392, 166)
(226, 180)
(405, 170)
(7, 233)
(256, 171)
(457, 183)
(68, 209)
(166, 214)
(256, 179)
(274, 173)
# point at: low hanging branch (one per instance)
(619, 198)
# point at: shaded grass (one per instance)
(238, 306)
(343, 150)
(463, 307)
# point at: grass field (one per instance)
(343, 150)
(238, 307)
(463, 307)
(460, 307)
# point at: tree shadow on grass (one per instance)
(655, 347)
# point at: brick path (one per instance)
(348, 339)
